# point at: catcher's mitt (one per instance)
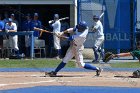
(136, 74)
(108, 56)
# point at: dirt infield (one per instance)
(13, 80)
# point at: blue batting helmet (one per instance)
(96, 17)
(82, 26)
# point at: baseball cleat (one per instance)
(95, 61)
(51, 74)
(98, 72)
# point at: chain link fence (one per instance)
(117, 22)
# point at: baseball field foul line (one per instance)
(26, 83)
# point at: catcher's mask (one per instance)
(81, 26)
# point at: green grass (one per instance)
(126, 65)
(39, 63)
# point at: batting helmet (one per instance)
(96, 17)
(56, 16)
(82, 26)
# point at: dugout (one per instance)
(46, 10)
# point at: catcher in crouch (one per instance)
(135, 53)
(75, 49)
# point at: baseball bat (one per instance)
(42, 30)
(61, 19)
(101, 15)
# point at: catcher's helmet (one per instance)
(82, 26)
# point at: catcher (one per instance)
(135, 53)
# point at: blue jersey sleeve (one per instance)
(1, 25)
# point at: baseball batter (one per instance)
(75, 49)
(11, 27)
(56, 29)
(99, 38)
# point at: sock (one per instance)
(90, 67)
(59, 52)
(95, 54)
(102, 52)
(17, 52)
(60, 66)
(13, 51)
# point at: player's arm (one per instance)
(123, 54)
(70, 30)
(14, 29)
(94, 28)
(2, 27)
(61, 34)
(108, 56)
(6, 27)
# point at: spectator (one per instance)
(1, 29)
(5, 18)
(11, 27)
(12, 16)
(36, 23)
(26, 26)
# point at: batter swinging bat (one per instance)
(59, 19)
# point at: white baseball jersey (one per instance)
(76, 47)
(99, 29)
(13, 39)
(99, 34)
(56, 28)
